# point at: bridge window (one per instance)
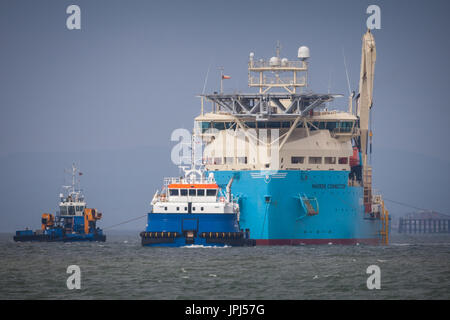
(205, 126)
(315, 160)
(219, 125)
(273, 125)
(331, 125)
(229, 160)
(295, 160)
(343, 160)
(71, 210)
(218, 160)
(286, 125)
(63, 210)
(192, 192)
(330, 160)
(183, 192)
(346, 125)
(211, 192)
(251, 124)
(200, 192)
(173, 192)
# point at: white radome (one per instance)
(274, 62)
(303, 53)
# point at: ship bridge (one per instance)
(283, 125)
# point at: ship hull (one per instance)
(270, 207)
(66, 238)
(178, 230)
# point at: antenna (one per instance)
(278, 48)
(206, 79)
(346, 73)
(329, 81)
(221, 79)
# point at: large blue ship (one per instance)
(300, 170)
(72, 222)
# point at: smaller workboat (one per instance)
(73, 222)
(193, 210)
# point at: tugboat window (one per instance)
(192, 192)
(200, 192)
(183, 192)
(173, 192)
(210, 192)
(71, 210)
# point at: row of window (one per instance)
(185, 208)
(225, 160)
(70, 210)
(329, 125)
(294, 160)
(193, 192)
(318, 160)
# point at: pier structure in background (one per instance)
(424, 222)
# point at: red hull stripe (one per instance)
(290, 242)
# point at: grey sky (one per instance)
(129, 77)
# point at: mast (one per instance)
(365, 101)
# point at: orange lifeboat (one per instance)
(354, 159)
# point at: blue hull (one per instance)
(60, 238)
(270, 207)
(177, 230)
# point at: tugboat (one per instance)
(73, 222)
(193, 210)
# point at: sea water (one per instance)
(411, 267)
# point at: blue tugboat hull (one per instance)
(56, 235)
(178, 230)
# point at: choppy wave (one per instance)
(411, 268)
